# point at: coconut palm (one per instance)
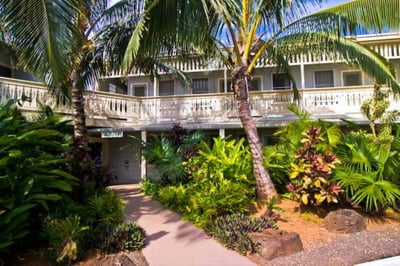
(240, 33)
(57, 41)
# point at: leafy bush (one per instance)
(104, 208)
(368, 172)
(32, 159)
(311, 172)
(167, 153)
(221, 183)
(150, 188)
(126, 236)
(233, 231)
(64, 237)
(277, 160)
(100, 208)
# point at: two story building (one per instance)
(138, 104)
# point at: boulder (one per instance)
(276, 243)
(344, 221)
(134, 258)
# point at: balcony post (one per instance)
(222, 132)
(143, 172)
(155, 85)
(225, 80)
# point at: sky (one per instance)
(330, 3)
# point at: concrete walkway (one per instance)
(171, 241)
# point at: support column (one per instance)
(143, 168)
(303, 80)
(225, 80)
(303, 84)
(222, 132)
(155, 85)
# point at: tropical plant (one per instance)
(168, 153)
(240, 33)
(127, 236)
(311, 172)
(278, 158)
(64, 236)
(375, 109)
(31, 171)
(221, 183)
(368, 172)
(60, 43)
(233, 231)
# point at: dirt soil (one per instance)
(313, 236)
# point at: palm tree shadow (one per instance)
(155, 236)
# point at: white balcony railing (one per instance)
(107, 109)
(389, 50)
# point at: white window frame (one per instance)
(324, 70)
(283, 88)
(352, 71)
(132, 89)
(166, 80)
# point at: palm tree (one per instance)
(58, 42)
(240, 33)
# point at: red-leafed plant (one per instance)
(310, 173)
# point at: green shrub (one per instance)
(221, 183)
(126, 236)
(233, 231)
(65, 236)
(368, 172)
(277, 160)
(150, 188)
(32, 159)
(103, 208)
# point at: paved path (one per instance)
(171, 241)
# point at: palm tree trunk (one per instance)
(265, 187)
(80, 140)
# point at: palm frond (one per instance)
(371, 15)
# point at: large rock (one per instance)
(134, 258)
(276, 243)
(344, 221)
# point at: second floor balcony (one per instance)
(218, 110)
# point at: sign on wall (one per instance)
(112, 134)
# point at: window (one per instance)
(255, 84)
(139, 90)
(281, 81)
(166, 87)
(112, 88)
(222, 85)
(352, 78)
(323, 78)
(200, 85)
(5, 72)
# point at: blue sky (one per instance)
(330, 3)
